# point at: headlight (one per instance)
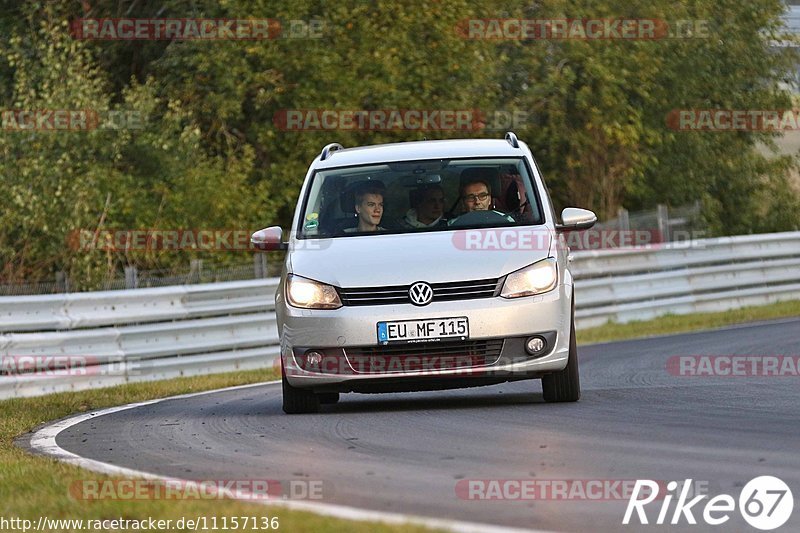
(534, 279)
(310, 294)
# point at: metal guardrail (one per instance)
(113, 337)
(692, 277)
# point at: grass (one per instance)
(684, 323)
(32, 486)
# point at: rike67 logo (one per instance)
(765, 503)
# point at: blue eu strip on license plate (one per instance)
(383, 335)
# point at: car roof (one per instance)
(417, 150)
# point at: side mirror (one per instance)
(268, 239)
(573, 218)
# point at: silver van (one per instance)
(424, 266)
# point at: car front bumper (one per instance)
(342, 330)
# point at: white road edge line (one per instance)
(44, 442)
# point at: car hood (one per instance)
(436, 257)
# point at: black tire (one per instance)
(565, 385)
(328, 397)
(298, 401)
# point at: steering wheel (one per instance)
(480, 218)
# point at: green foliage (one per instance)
(209, 155)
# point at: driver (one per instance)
(475, 195)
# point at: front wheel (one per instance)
(298, 401)
(565, 385)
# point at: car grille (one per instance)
(442, 292)
(424, 356)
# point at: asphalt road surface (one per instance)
(407, 453)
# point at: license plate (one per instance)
(428, 330)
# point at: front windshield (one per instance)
(405, 197)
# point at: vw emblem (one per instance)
(420, 293)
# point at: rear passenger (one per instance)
(427, 208)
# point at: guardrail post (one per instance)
(623, 220)
(663, 222)
(62, 281)
(260, 265)
(131, 277)
(196, 270)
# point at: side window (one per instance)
(546, 191)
